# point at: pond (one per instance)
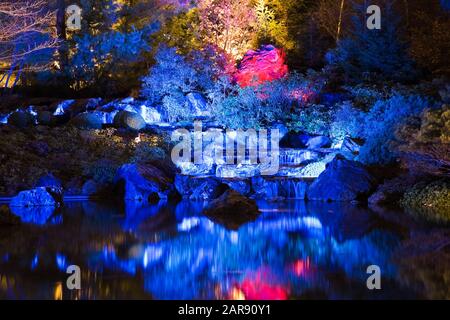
(294, 250)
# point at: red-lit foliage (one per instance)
(258, 67)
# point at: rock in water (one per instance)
(143, 182)
(129, 120)
(257, 67)
(7, 218)
(36, 197)
(232, 210)
(342, 180)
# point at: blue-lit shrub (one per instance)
(174, 76)
(381, 123)
(347, 122)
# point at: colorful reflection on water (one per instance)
(294, 250)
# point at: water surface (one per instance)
(294, 250)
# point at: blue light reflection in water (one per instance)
(172, 251)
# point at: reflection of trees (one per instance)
(288, 251)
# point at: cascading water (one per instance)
(296, 156)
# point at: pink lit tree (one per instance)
(228, 24)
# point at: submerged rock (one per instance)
(143, 182)
(232, 210)
(342, 180)
(199, 188)
(41, 196)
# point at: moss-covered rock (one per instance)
(429, 201)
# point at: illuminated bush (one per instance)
(425, 143)
(381, 123)
(347, 122)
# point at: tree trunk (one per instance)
(62, 34)
(341, 13)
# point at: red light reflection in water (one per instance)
(260, 286)
(301, 267)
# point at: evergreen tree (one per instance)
(379, 52)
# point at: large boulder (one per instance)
(199, 188)
(88, 120)
(129, 120)
(342, 180)
(21, 119)
(232, 210)
(41, 196)
(258, 67)
(143, 182)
